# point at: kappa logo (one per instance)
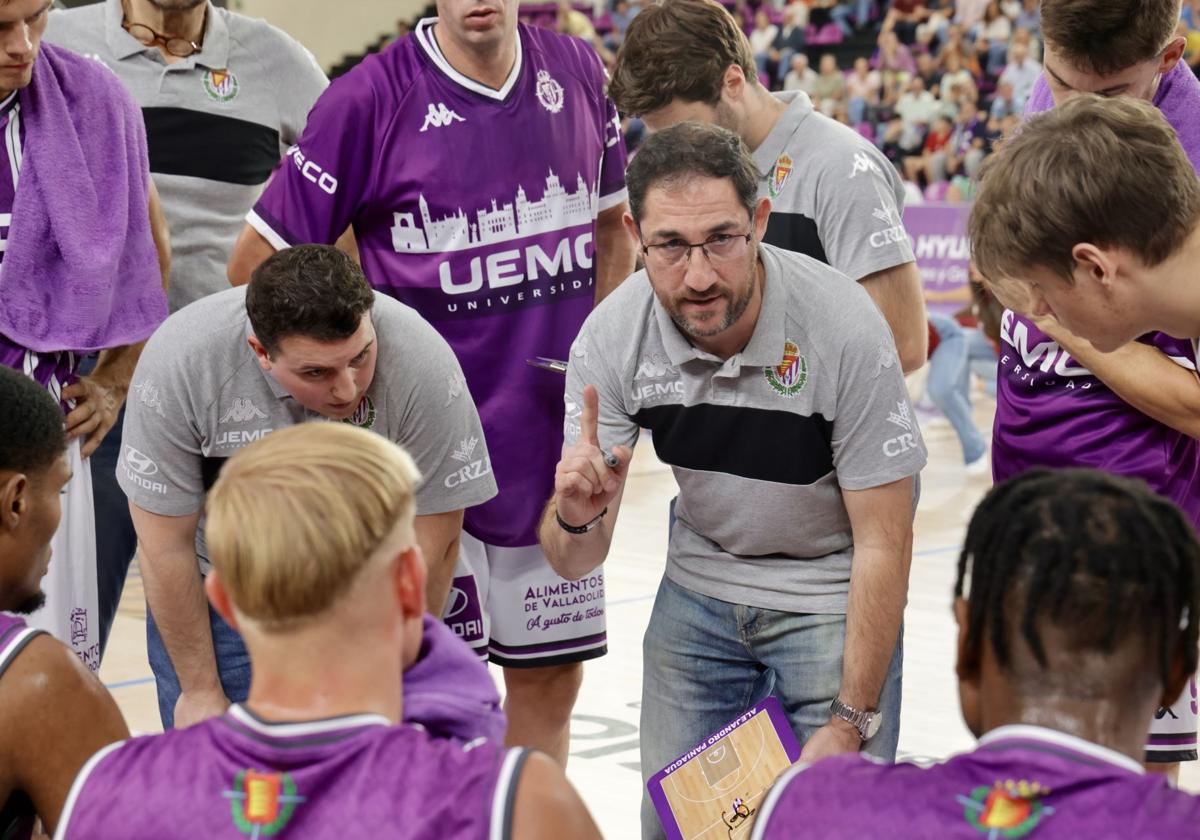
(549, 92)
(148, 396)
(456, 384)
(242, 411)
(655, 367)
(262, 804)
(863, 163)
(139, 463)
(439, 116)
(465, 449)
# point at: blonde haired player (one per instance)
(315, 563)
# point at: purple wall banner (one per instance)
(939, 236)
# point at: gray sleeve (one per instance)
(300, 81)
(439, 425)
(860, 200)
(876, 439)
(588, 365)
(159, 467)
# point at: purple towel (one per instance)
(449, 691)
(81, 271)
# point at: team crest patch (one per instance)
(789, 377)
(364, 415)
(779, 175)
(220, 85)
(549, 92)
(1007, 809)
(262, 803)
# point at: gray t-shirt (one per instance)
(834, 196)
(762, 443)
(217, 124)
(198, 396)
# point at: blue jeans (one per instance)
(233, 665)
(705, 661)
(949, 384)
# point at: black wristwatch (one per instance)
(579, 529)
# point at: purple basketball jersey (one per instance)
(476, 207)
(237, 775)
(16, 814)
(1021, 781)
(53, 371)
(1051, 412)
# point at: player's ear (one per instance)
(762, 214)
(1172, 54)
(218, 596)
(260, 352)
(1094, 263)
(1180, 679)
(631, 227)
(13, 489)
(967, 662)
(408, 577)
(733, 83)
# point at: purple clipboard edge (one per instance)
(787, 738)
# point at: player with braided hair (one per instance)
(1078, 608)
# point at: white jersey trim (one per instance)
(16, 646)
(501, 822)
(316, 727)
(12, 140)
(60, 832)
(425, 37)
(768, 806)
(613, 199)
(266, 231)
(1061, 739)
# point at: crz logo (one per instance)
(465, 449)
(439, 116)
(139, 463)
(901, 417)
(312, 171)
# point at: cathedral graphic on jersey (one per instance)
(557, 210)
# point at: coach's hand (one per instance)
(584, 485)
(97, 405)
(834, 738)
(196, 706)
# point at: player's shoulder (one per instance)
(198, 334)
(561, 51)
(78, 29)
(86, 77)
(259, 37)
(41, 678)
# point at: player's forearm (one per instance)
(615, 253)
(115, 366)
(875, 608)
(175, 597)
(438, 537)
(574, 555)
(249, 252)
(1147, 379)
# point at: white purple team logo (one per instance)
(549, 92)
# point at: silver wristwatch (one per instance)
(867, 723)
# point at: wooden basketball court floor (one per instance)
(604, 745)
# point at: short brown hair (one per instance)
(295, 517)
(691, 149)
(1108, 36)
(678, 49)
(315, 291)
(1106, 171)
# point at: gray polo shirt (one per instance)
(217, 124)
(834, 196)
(198, 396)
(762, 443)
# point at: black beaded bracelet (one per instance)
(579, 529)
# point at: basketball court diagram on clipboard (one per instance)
(714, 790)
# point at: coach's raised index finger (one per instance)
(589, 430)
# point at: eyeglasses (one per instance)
(675, 253)
(178, 47)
